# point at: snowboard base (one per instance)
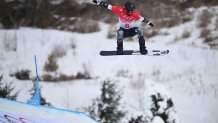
(135, 52)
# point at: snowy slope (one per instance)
(189, 72)
(17, 112)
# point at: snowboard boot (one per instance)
(119, 48)
(143, 50)
(142, 47)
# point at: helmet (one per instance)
(130, 7)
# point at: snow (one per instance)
(189, 73)
(157, 120)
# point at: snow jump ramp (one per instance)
(17, 112)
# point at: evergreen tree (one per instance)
(6, 90)
(107, 107)
(167, 114)
(138, 119)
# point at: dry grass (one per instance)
(51, 64)
(186, 34)
(62, 77)
(10, 42)
(209, 39)
(86, 25)
(166, 17)
(205, 33)
(54, 76)
(216, 25)
(204, 19)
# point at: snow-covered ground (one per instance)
(189, 72)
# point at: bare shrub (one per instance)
(199, 3)
(205, 33)
(51, 64)
(216, 25)
(208, 39)
(48, 77)
(65, 23)
(16, 13)
(204, 19)
(85, 25)
(63, 77)
(166, 16)
(22, 74)
(212, 42)
(186, 34)
(97, 13)
(185, 16)
(82, 76)
(7, 90)
(172, 22)
(57, 77)
(186, 19)
(167, 22)
(68, 8)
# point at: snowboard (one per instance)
(135, 52)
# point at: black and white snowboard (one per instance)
(136, 52)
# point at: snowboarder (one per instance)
(127, 16)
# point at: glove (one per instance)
(151, 24)
(96, 2)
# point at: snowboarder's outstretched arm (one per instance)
(103, 4)
(142, 19)
(117, 10)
